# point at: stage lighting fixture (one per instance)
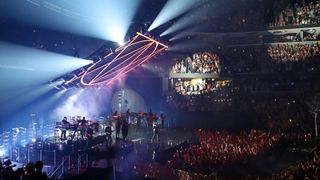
(121, 61)
(139, 50)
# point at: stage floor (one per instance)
(145, 156)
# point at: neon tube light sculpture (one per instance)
(120, 62)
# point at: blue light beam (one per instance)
(102, 19)
(171, 10)
(22, 66)
(194, 19)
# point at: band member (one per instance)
(89, 135)
(155, 131)
(139, 118)
(162, 117)
(90, 132)
(124, 130)
(64, 127)
(82, 127)
(76, 122)
(128, 115)
(118, 126)
(150, 118)
(108, 131)
(115, 115)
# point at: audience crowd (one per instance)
(293, 57)
(254, 15)
(293, 52)
(32, 171)
(210, 101)
(309, 169)
(286, 115)
(299, 13)
(199, 86)
(206, 62)
(217, 149)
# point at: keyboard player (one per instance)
(64, 126)
(82, 126)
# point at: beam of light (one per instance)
(26, 98)
(47, 102)
(171, 10)
(2, 152)
(139, 50)
(22, 67)
(102, 19)
(194, 19)
(185, 22)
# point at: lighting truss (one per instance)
(119, 62)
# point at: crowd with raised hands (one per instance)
(206, 62)
(31, 171)
(217, 149)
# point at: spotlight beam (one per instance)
(190, 19)
(35, 66)
(103, 19)
(171, 10)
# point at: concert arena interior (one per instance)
(159, 89)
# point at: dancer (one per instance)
(155, 131)
(109, 131)
(124, 130)
(162, 117)
(118, 126)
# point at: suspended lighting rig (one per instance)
(114, 64)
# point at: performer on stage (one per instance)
(139, 118)
(90, 132)
(82, 127)
(89, 135)
(64, 126)
(162, 117)
(150, 119)
(128, 115)
(124, 130)
(108, 131)
(155, 131)
(118, 126)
